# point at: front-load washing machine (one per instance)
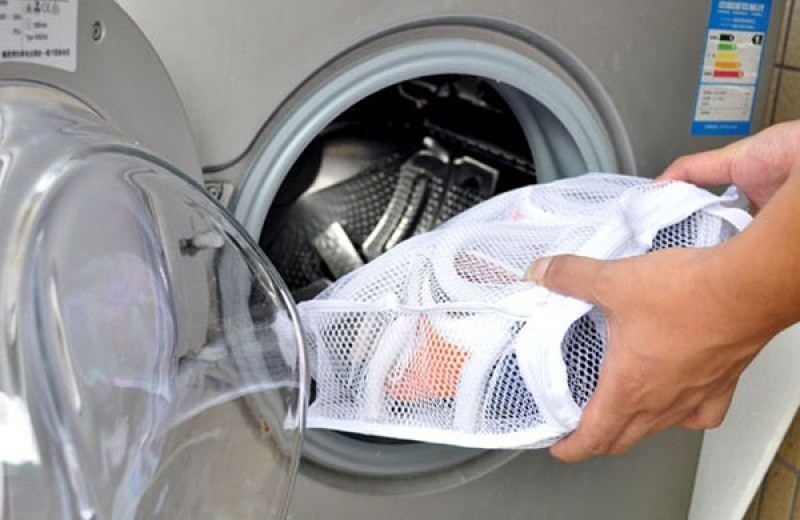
(155, 365)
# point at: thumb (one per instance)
(570, 275)
(708, 168)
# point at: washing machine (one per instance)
(175, 176)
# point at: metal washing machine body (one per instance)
(274, 90)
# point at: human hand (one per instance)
(684, 323)
(757, 165)
(675, 350)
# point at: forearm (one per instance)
(757, 273)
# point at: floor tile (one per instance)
(752, 511)
(779, 488)
(790, 448)
(796, 512)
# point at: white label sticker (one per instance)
(724, 103)
(39, 31)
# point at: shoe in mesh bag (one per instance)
(440, 339)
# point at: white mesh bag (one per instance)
(440, 340)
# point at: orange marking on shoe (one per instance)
(434, 371)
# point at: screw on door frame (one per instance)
(98, 31)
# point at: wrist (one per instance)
(755, 285)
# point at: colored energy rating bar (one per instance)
(726, 63)
(718, 73)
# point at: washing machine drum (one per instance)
(150, 362)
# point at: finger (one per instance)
(705, 169)
(710, 413)
(668, 420)
(601, 424)
(592, 437)
(645, 424)
(677, 413)
(570, 275)
(635, 431)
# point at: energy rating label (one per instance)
(729, 74)
(732, 57)
(39, 31)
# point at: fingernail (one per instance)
(537, 270)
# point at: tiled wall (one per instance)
(785, 89)
(779, 495)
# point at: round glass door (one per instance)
(151, 363)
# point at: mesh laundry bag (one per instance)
(440, 340)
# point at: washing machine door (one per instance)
(151, 363)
